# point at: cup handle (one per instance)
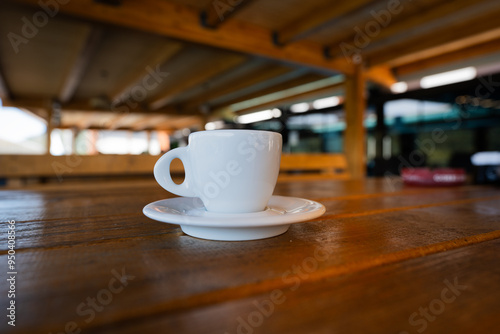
(163, 177)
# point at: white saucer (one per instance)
(190, 213)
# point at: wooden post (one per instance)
(355, 134)
(50, 125)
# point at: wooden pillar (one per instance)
(50, 125)
(355, 134)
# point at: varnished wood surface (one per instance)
(382, 253)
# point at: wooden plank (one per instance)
(149, 122)
(334, 165)
(217, 66)
(453, 37)
(81, 58)
(218, 12)
(402, 26)
(258, 77)
(302, 80)
(458, 56)
(451, 289)
(66, 166)
(87, 120)
(356, 246)
(316, 19)
(158, 56)
(284, 97)
(178, 21)
(382, 75)
(355, 133)
(99, 205)
(92, 107)
(343, 199)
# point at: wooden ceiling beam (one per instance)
(148, 122)
(317, 93)
(214, 67)
(219, 12)
(159, 55)
(450, 38)
(86, 121)
(285, 97)
(85, 50)
(464, 54)
(125, 121)
(381, 75)
(89, 106)
(404, 25)
(267, 72)
(347, 26)
(305, 79)
(316, 19)
(182, 22)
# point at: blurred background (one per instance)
(101, 88)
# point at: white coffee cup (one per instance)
(233, 171)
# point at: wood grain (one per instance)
(380, 300)
(380, 252)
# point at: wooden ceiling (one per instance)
(170, 64)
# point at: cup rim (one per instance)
(232, 130)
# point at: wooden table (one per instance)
(385, 258)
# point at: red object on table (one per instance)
(433, 177)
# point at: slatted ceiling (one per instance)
(39, 66)
(279, 77)
(133, 76)
(483, 64)
(119, 51)
(190, 69)
(472, 53)
(302, 80)
(343, 26)
(197, 75)
(244, 84)
(436, 15)
(274, 15)
(196, 4)
(288, 100)
(224, 79)
(453, 37)
(342, 30)
(459, 14)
